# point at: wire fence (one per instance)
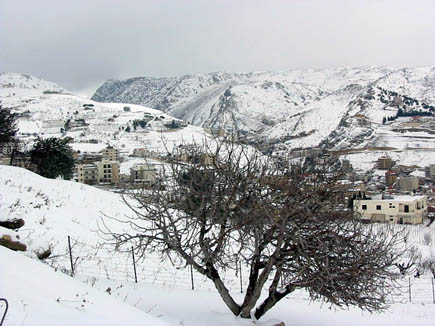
(417, 234)
(103, 262)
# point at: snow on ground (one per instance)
(88, 147)
(201, 307)
(54, 209)
(38, 295)
(14, 82)
(290, 101)
(366, 159)
(46, 115)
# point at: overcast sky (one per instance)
(79, 44)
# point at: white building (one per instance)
(430, 172)
(398, 209)
(408, 183)
(87, 173)
(108, 172)
(143, 173)
(110, 153)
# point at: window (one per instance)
(364, 207)
(406, 208)
(378, 207)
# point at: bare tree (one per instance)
(291, 228)
(428, 265)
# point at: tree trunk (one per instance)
(271, 300)
(256, 289)
(213, 274)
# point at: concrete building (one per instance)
(87, 173)
(143, 173)
(89, 158)
(345, 165)
(108, 172)
(408, 183)
(7, 148)
(307, 152)
(398, 209)
(141, 152)
(384, 163)
(390, 177)
(110, 154)
(429, 172)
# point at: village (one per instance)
(387, 193)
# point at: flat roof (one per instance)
(399, 198)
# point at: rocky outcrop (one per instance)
(8, 241)
(12, 224)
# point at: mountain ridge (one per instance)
(260, 105)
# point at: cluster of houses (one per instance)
(104, 169)
(403, 195)
(388, 193)
(97, 169)
(15, 154)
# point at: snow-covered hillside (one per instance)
(55, 209)
(43, 109)
(342, 108)
(290, 109)
(14, 82)
(38, 295)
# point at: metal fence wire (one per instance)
(102, 262)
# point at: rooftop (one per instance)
(398, 197)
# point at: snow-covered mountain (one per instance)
(299, 108)
(338, 109)
(16, 81)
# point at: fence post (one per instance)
(409, 289)
(191, 274)
(134, 265)
(433, 292)
(240, 271)
(70, 256)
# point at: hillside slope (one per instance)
(292, 109)
(56, 209)
(38, 295)
(45, 109)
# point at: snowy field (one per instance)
(54, 209)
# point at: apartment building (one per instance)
(87, 173)
(143, 173)
(397, 209)
(384, 163)
(103, 172)
(430, 172)
(390, 177)
(110, 154)
(408, 183)
(108, 172)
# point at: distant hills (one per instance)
(285, 110)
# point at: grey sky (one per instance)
(79, 44)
